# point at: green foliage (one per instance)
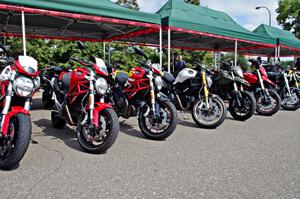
(289, 15)
(241, 61)
(132, 4)
(196, 2)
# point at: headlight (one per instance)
(101, 86)
(37, 82)
(23, 86)
(209, 81)
(158, 82)
(238, 71)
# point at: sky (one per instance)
(242, 11)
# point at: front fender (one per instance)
(98, 108)
(268, 81)
(14, 111)
(242, 81)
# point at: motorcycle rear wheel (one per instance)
(262, 109)
(20, 129)
(108, 127)
(147, 125)
(201, 115)
(248, 106)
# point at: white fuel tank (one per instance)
(185, 74)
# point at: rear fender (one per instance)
(98, 108)
(14, 111)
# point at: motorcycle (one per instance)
(228, 83)
(290, 95)
(138, 94)
(79, 101)
(19, 80)
(190, 91)
(46, 75)
(267, 100)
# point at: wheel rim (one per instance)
(266, 104)
(211, 115)
(245, 107)
(7, 144)
(97, 136)
(290, 100)
(158, 126)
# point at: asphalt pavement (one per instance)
(259, 158)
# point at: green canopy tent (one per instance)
(193, 27)
(288, 44)
(88, 20)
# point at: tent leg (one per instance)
(104, 51)
(24, 34)
(109, 55)
(215, 60)
(235, 52)
(278, 54)
(169, 50)
(275, 58)
(160, 48)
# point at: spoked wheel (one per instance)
(14, 147)
(290, 101)
(267, 104)
(98, 139)
(159, 127)
(245, 108)
(209, 116)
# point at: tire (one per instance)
(22, 128)
(47, 100)
(114, 127)
(57, 121)
(173, 120)
(251, 104)
(294, 106)
(216, 101)
(260, 108)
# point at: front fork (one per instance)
(262, 85)
(152, 93)
(205, 90)
(287, 84)
(91, 97)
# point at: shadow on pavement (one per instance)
(129, 130)
(67, 135)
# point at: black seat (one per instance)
(57, 70)
(66, 81)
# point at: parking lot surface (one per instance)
(259, 158)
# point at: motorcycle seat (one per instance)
(66, 80)
(57, 70)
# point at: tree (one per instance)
(289, 15)
(196, 2)
(132, 4)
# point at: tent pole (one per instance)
(109, 61)
(235, 52)
(278, 52)
(160, 48)
(23, 34)
(275, 57)
(215, 60)
(104, 53)
(169, 50)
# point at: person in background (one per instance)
(297, 64)
(181, 64)
(259, 60)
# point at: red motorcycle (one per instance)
(138, 94)
(267, 100)
(79, 100)
(18, 82)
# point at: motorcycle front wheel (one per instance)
(290, 102)
(98, 140)
(267, 104)
(212, 116)
(13, 148)
(246, 108)
(158, 128)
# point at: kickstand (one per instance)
(33, 141)
(184, 116)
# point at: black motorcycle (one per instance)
(228, 83)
